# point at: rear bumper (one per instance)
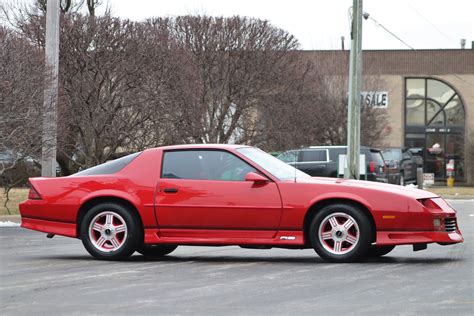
(385, 238)
(45, 226)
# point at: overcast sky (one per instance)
(320, 24)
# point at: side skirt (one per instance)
(225, 237)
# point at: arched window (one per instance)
(434, 123)
(431, 102)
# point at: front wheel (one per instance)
(110, 231)
(340, 233)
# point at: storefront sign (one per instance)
(428, 179)
(437, 130)
(375, 99)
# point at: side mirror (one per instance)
(255, 178)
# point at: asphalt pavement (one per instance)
(57, 276)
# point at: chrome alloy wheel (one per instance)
(107, 231)
(339, 233)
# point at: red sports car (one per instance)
(160, 198)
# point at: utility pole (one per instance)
(48, 151)
(355, 81)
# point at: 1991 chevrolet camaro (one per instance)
(160, 198)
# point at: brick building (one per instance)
(429, 98)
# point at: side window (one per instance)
(204, 165)
(407, 155)
(314, 155)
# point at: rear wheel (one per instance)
(340, 233)
(156, 250)
(109, 231)
(379, 251)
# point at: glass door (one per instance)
(435, 155)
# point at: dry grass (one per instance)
(15, 196)
(462, 192)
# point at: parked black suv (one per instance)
(404, 160)
(322, 161)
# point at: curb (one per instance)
(458, 197)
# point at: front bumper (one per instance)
(430, 220)
(386, 238)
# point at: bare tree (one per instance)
(316, 114)
(21, 81)
(334, 113)
(125, 86)
(119, 82)
(239, 61)
(114, 85)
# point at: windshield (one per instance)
(391, 154)
(271, 164)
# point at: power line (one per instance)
(367, 16)
(431, 23)
(390, 32)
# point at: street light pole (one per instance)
(355, 81)
(49, 137)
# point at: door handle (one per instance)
(170, 190)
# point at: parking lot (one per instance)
(57, 276)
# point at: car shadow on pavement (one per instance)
(263, 259)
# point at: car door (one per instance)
(204, 193)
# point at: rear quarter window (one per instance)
(110, 167)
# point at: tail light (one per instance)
(33, 194)
(372, 166)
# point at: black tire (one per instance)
(379, 251)
(352, 252)
(156, 250)
(130, 238)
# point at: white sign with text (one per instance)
(374, 99)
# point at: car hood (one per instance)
(372, 186)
